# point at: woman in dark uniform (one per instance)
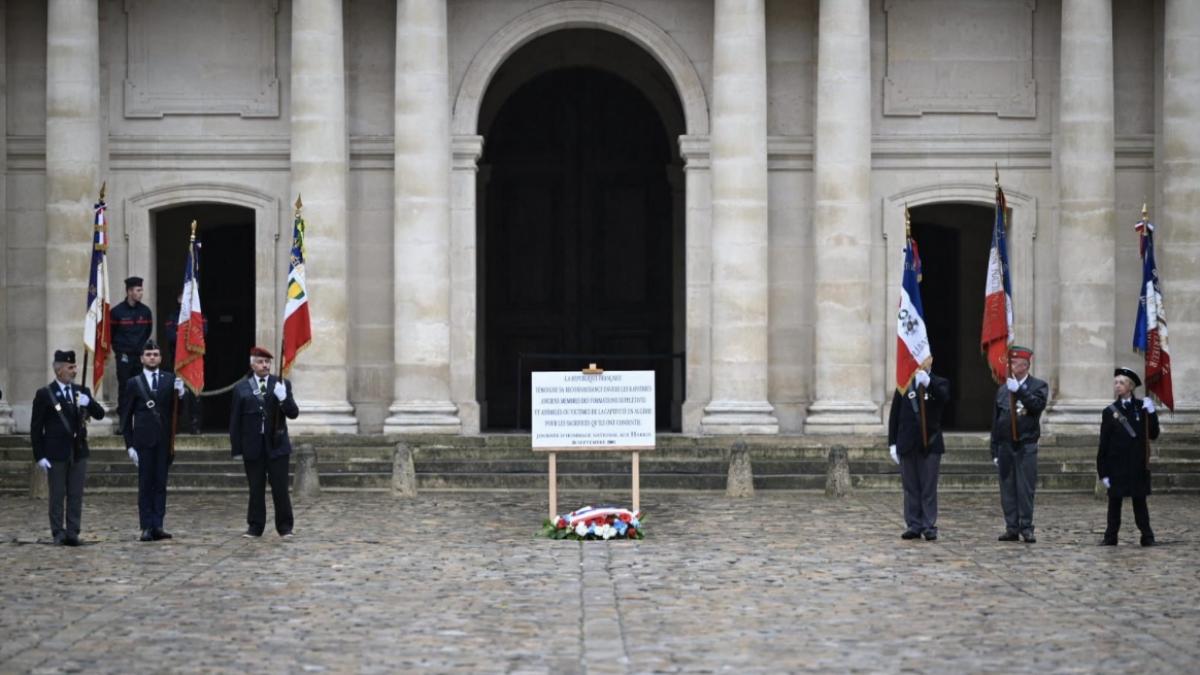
(1127, 426)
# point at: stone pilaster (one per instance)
(1086, 166)
(422, 223)
(842, 222)
(739, 223)
(6, 418)
(1178, 236)
(73, 162)
(319, 164)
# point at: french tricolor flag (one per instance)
(189, 334)
(997, 333)
(912, 340)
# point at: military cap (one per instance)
(261, 351)
(150, 346)
(1133, 377)
(61, 356)
(1019, 352)
(133, 282)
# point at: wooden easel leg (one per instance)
(553, 478)
(637, 482)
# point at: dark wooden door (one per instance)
(577, 236)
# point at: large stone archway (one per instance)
(468, 146)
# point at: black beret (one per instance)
(133, 282)
(61, 356)
(150, 346)
(1137, 381)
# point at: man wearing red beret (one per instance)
(259, 436)
(1016, 458)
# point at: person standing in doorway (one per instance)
(1127, 426)
(1024, 397)
(919, 450)
(146, 420)
(132, 324)
(259, 436)
(58, 433)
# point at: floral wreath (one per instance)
(595, 522)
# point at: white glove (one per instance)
(996, 461)
(179, 387)
(84, 400)
(1148, 405)
(280, 391)
(133, 456)
(44, 464)
(1107, 482)
(1012, 384)
(922, 378)
(894, 454)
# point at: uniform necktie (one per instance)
(262, 385)
(154, 381)
(66, 393)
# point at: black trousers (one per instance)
(1141, 516)
(919, 476)
(259, 472)
(1018, 482)
(128, 365)
(153, 463)
(66, 484)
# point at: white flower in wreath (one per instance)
(609, 531)
(581, 529)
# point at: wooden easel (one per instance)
(552, 456)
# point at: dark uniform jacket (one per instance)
(1031, 401)
(253, 417)
(131, 327)
(904, 422)
(1122, 457)
(51, 438)
(151, 415)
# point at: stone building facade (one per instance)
(719, 184)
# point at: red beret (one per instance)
(1018, 352)
(261, 351)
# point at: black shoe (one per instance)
(159, 533)
(930, 535)
(1108, 541)
(1028, 537)
(147, 535)
(251, 534)
(1008, 536)
(910, 534)
(71, 540)
(286, 535)
(1148, 540)
(59, 538)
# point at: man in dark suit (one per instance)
(58, 431)
(1127, 426)
(918, 453)
(258, 433)
(146, 416)
(1016, 458)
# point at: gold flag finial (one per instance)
(1145, 212)
(193, 231)
(299, 204)
(907, 221)
(997, 174)
(103, 189)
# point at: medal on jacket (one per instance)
(150, 404)
(1020, 408)
(1116, 415)
(57, 407)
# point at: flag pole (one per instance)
(1146, 417)
(299, 206)
(1012, 398)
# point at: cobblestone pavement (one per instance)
(458, 583)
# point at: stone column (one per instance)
(6, 418)
(739, 223)
(842, 222)
(319, 162)
(1177, 244)
(463, 250)
(422, 223)
(1086, 226)
(72, 166)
